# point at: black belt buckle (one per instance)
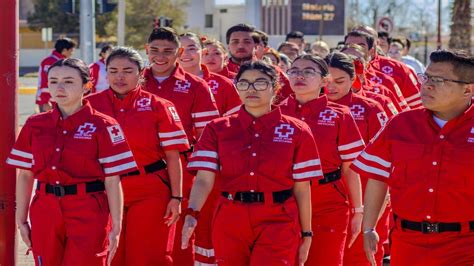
(59, 191)
(429, 228)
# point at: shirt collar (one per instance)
(58, 55)
(126, 101)
(73, 120)
(467, 114)
(268, 120)
(206, 74)
(346, 99)
(315, 105)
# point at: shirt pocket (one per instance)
(407, 164)
(233, 158)
(42, 147)
(457, 169)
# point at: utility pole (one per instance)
(87, 30)
(121, 23)
(8, 108)
(439, 25)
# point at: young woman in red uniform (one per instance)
(370, 118)
(76, 154)
(223, 89)
(214, 57)
(266, 161)
(152, 195)
(228, 102)
(339, 142)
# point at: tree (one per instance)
(140, 15)
(461, 27)
(49, 13)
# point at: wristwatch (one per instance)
(190, 211)
(180, 199)
(306, 234)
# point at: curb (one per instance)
(27, 90)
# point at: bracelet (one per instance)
(306, 234)
(191, 212)
(369, 231)
(358, 210)
(180, 199)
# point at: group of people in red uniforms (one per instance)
(213, 155)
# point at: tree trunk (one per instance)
(460, 37)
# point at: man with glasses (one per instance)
(195, 106)
(425, 156)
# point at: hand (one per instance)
(113, 244)
(25, 233)
(172, 212)
(304, 250)
(190, 224)
(371, 239)
(356, 224)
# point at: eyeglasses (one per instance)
(437, 81)
(307, 73)
(259, 85)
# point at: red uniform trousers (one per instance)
(330, 220)
(437, 249)
(256, 233)
(203, 248)
(184, 257)
(145, 238)
(69, 230)
(356, 254)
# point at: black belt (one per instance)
(151, 168)
(330, 177)
(430, 228)
(61, 191)
(251, 197)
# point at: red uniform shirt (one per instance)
(224, 91)
(191, 96)
(336, 133)
(403, 76)
(263, 154)
(43, 96)
(227, 73)
(84, 147)
(149, 122)
(368, 114)
(429, 169)
(98, 75)
(376, 80)
(383, 100)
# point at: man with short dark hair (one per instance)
(289, 49)
(242, 48)
(383, 41)
(403, 76)
(241, 45)
(261, 43)
(63, 48)
(297, 37)
(424, 156)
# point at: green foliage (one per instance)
(49, 13)
(140, 15)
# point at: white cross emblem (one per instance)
(85, 131)
(357, 110)
(182, 87)
(376, 80)
(327, 115)
(387, 70)
(284, 131)
(144, 102)
(213, 85)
